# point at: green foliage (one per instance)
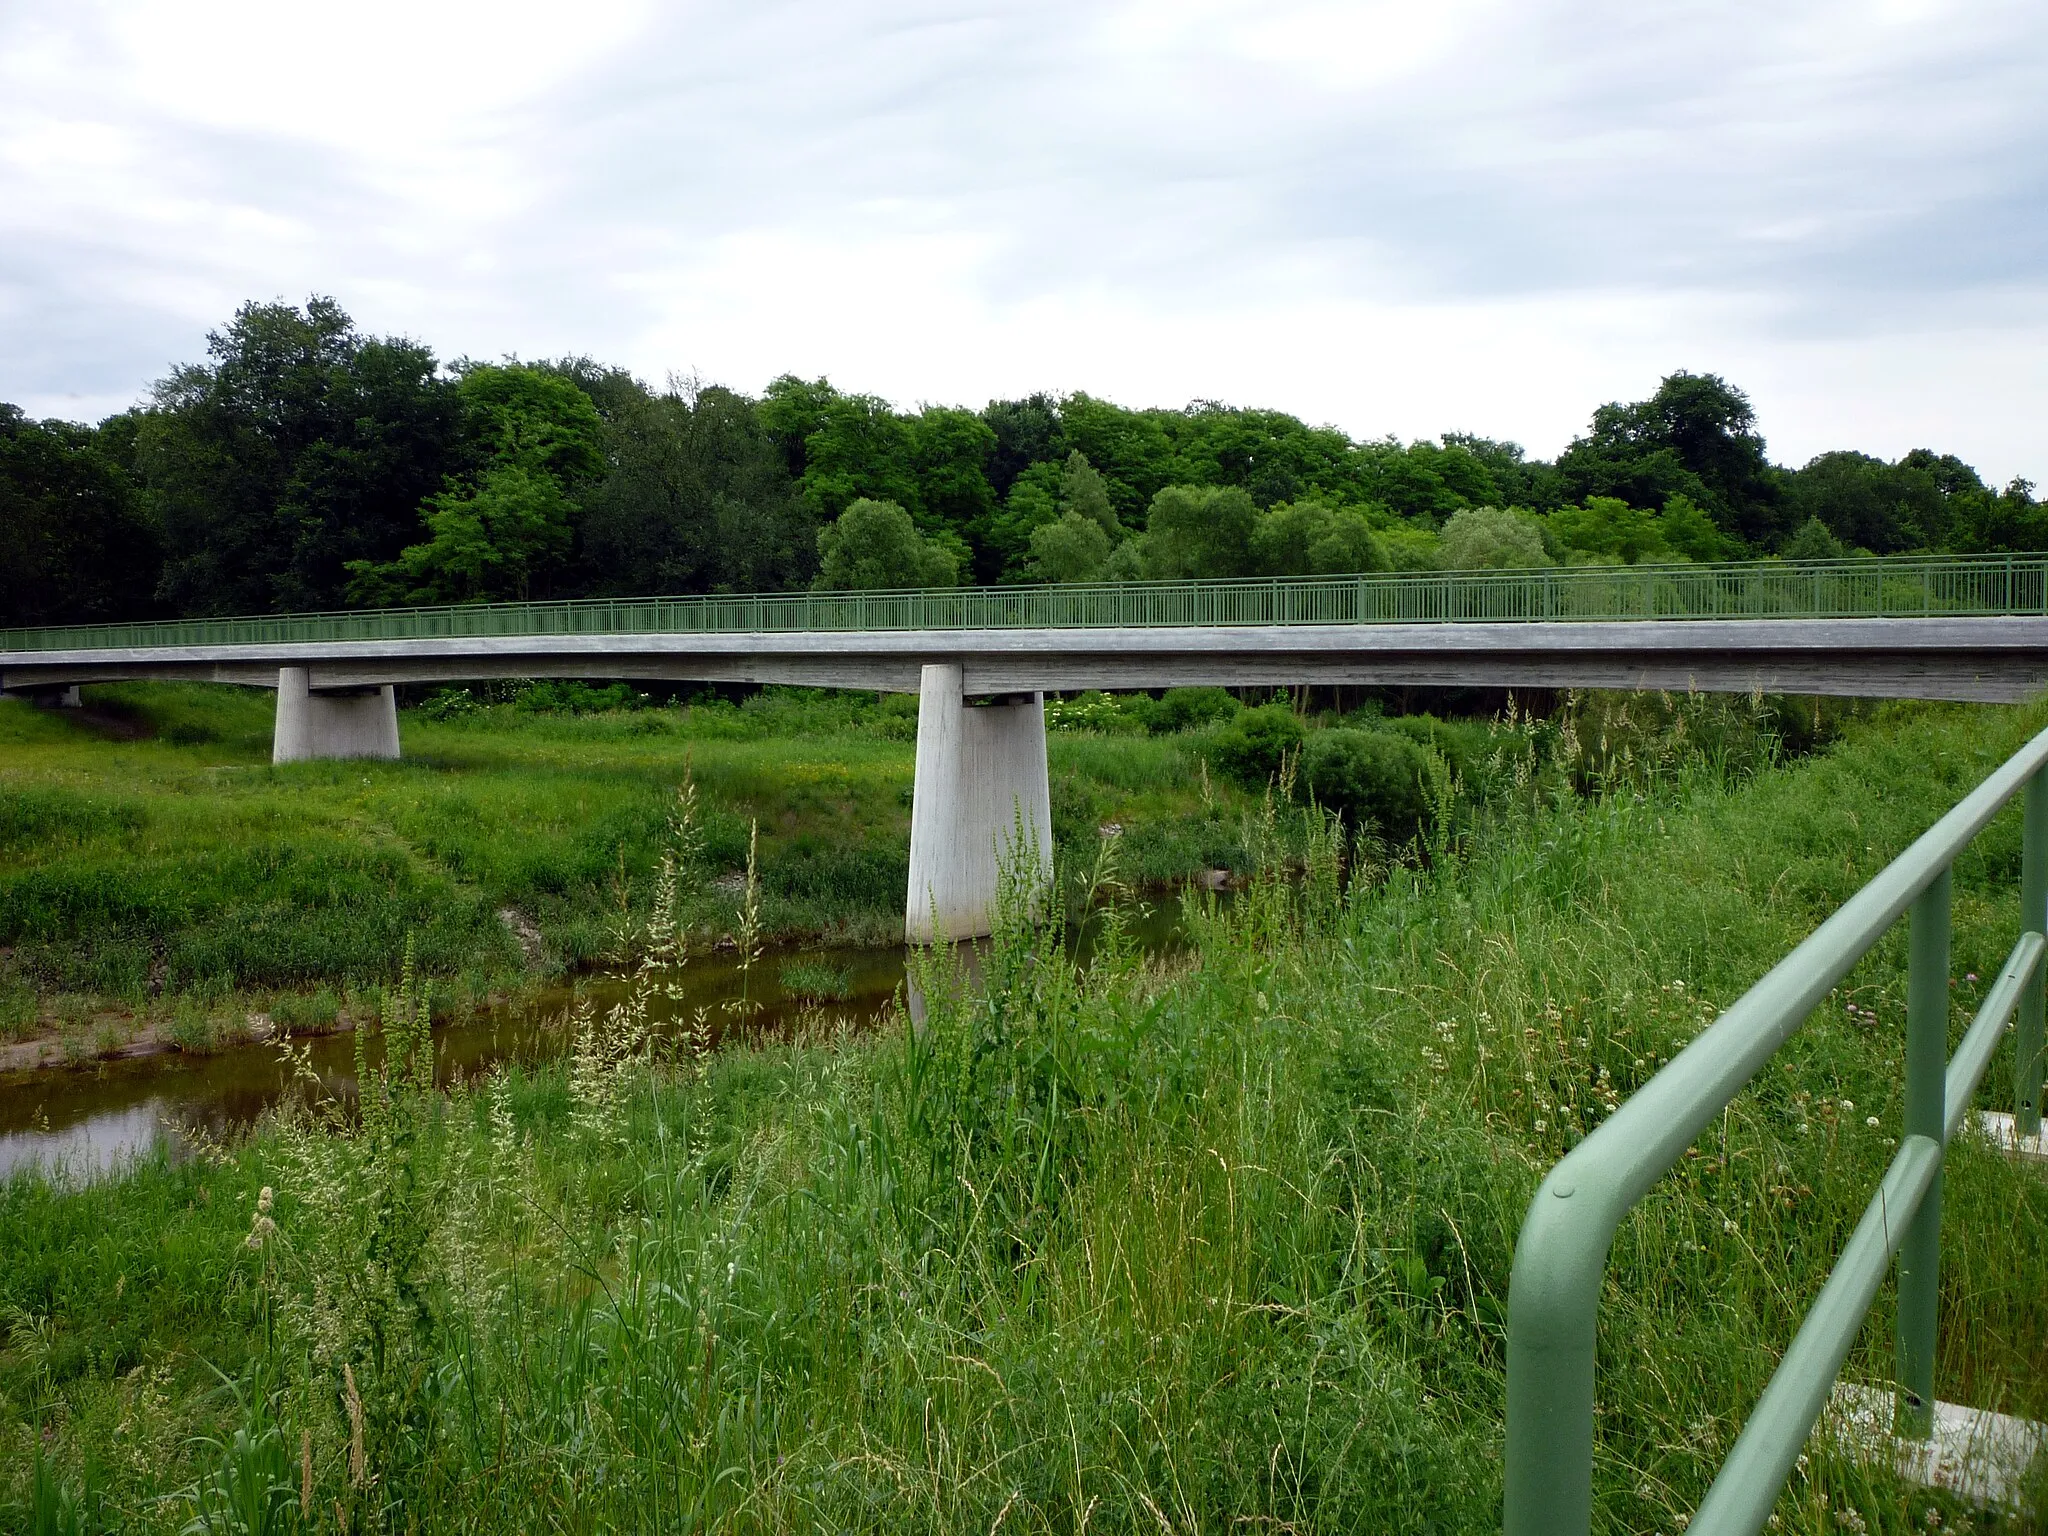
(1073, 549)
(875, 545)
(1252, 747)
(77, 547)
(1195, 532)
(1312, 538)
(1187, 709)
(302, 446)
(697, 497)
(1813, 542)
(511, 525)
(1491, 539)
(1695, 437)
(1374, 779)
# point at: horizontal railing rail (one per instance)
(1891, 587)
(1561, 1255)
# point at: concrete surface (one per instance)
(360, 723)
(982, 798)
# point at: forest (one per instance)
(307, 466)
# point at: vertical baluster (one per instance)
(1926, 1071)
(2026, 1061)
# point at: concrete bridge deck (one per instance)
(1982, 658)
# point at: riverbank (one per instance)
(161, 884)
(1205, 1247)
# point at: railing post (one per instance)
(1926, 1115)
(2026, 1056)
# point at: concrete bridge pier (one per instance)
(357, 722)
(981, 782)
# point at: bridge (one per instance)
(982, 658)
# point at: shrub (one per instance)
(1183, 709)
(1374, 777)
(1250, 748)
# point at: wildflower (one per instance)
(1728, 1225)
(1871, 1121)
(1848, 1106)
(1968, 976)
(1540, 1125)
(261, 1227)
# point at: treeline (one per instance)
(305, 465)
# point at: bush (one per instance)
(1185, 709)
(1374, 777)
(1250, 748)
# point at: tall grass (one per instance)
(1213, 1243)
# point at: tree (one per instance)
(1193, 531)
(875, 546)
(1025, 431)
(1073, 549)
(1370, 778)
(1609, 527)
(1489, 539)
(1695, 437)
(698, 497)
(1312, 538)
(74, 545)
(509, 525)
(1084, 493)
(950, 449)
(1884, 508)
(300, 447)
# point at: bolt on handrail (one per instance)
(1868, 587)
(1561, 1255)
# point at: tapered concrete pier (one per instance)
(361, 722)
(981, 788)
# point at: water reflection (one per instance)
(80, 1125)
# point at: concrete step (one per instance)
(1987, 1458)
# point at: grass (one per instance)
(1219, 1243)
(173, 862)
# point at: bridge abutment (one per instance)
(981, 789)
(362, 722)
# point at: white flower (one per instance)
(1871, 1121)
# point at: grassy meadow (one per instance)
(1212, 1243)
(157, 872)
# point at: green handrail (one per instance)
(1561, 1255)
(1891, 587)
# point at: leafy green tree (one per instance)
(1610, 528)
(1250, 749)
(842, 448)
(1085, 494)
(1313, 538)
(1490, 539)
(1073, 549)
(698, 497)
(1813, 542)
(1196, 531)
(503, 530)
(485, 540)
(1884, 508)
(299, 447)
(874, 545)
(1026, 432)
(1688, 531)
(1695, 437)
(74, 545)
(1370, 778)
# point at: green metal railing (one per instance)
(1906, 587)
(1554, 1292)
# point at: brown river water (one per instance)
(79, 1124)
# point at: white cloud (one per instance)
(1467, 216)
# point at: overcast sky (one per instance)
(1399, 218)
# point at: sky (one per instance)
(1397, 218)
